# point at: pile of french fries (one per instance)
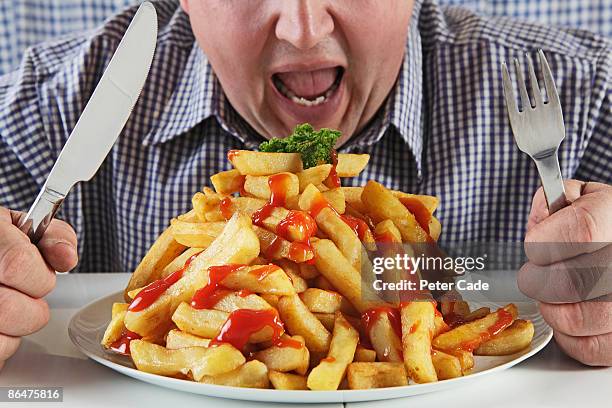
(289, 311)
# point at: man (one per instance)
(414, 85)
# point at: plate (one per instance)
(88, 324)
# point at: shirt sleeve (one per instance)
(596, 162)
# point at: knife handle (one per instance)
(42, 211)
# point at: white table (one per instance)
(48, 358)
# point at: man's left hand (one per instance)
(569, 270)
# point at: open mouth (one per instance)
(310, 88)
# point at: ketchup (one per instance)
(318, 204)
(504, 320)
(209, 295)
(288, 342)
(154, 290)
(298, 252)
(242, 323)
(260, 215)
(232, 154)
(420, 212)
(333, 181)
(272, 251)
(328, 360)
(226, 208)
(122, 344)
(357, 224)
(278, 184)
(262, 271)
(299, 220)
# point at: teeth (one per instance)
(307, 102)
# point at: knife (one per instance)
(100, 123)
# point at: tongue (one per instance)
(309, 84)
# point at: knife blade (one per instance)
(100, 123)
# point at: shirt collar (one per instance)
(198, 96)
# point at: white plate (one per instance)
(87, 327)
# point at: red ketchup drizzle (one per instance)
(504, 320)
(419, 211)
(154, 290)
(357, 224)
(232, 154)
(318, 204)
(122, 344)
(333, 181)
(453, 319)
(262, 271)
(299, 220)
(385, 238)
(242, 323)
(328, 359)
(211, 294)
(226, 208)
(288, 342)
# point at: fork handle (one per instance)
(552, 182)
(42, 211)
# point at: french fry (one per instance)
(176, 339)
(195, 234)
(511, 340)
(205, 203)
(275, 247)
(118, 307)
(177, 263)
(237, 244)
(234, 301)
(335, 198)
(332, 264)
(232, 205)
(252, 374)
(353, 198)
(327, 319)
(300, 321)
(308, 271)
(384, 340)
(264, 164)
(115, 327)
(269, 279)
(466, 359)
(350, 165)
(381, 204)
(200, 361)
(287, 381)
(321, 301)
(471, 335)
(286, 358)
(160, 254)
(314, 175)
(227, 182)
(259, 186)
(367, 375)
(331, 370)
(293, 272)
(417, 325)
(429, 202)
(330, 222)
(477, 314)
(447, 366)
(271, 299)
(365, 355)
(454, 309)
(204, 322)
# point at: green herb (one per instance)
(315, 146)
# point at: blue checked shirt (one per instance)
(443, 129)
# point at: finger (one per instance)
(589, 350)
(58, 246)
(22, 267)
(581, 278)
(20, 314)
(539, 207)
(8, 346)
(582, 227)
(589, 318)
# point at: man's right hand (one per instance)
(27, 274)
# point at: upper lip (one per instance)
(306, 66)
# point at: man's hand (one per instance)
(27, 273)
(570, 270)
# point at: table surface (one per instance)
(48, 358)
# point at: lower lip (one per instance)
(312, 114)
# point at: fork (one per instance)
(538, 128)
